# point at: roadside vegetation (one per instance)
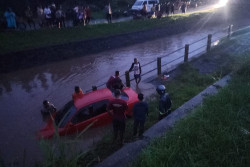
(218, 132)
(21, 40)
(215, 134)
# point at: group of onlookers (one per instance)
(82, 15)
(54, 16)
(157, 11)
(49, 16)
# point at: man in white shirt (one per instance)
(136, 67)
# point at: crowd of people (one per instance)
(49, 16)
(54, 16)
(157, 10)
(118, 107)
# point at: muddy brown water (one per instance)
(22, 92)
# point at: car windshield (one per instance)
(138, 3)
(90, 111)
(64, 115)
(123, 96)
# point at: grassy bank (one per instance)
(17, 40)
(215, 134)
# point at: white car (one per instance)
(138, 5)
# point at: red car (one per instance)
(76, 116)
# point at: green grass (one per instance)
(216, 134)
(17, 40)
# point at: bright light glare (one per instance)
(221, 3)
(216, 42)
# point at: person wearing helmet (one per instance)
(165, 102)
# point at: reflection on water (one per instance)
(22, 92)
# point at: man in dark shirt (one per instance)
(140, 110)
(115, 82)
(165, 102)
(118, 106)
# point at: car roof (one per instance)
(99, 94)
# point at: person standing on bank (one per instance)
(172, 8)
(29, 17)
(10, 17)
(136, 67)
(118, 106)
(165, 102)
(140, 111)
(108, 13)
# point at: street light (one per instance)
(221, 3)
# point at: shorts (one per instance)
(137, 76)
(119, 125)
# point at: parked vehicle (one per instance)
(91, 108)
(138, 5)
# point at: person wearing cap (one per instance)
(165, 102)
(48, 110)
(140, 111)
(119, 107)
(77, 94)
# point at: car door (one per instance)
(93, 113)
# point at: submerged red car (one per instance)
(76, 116)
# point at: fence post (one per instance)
(186, 53)
(230, 27)
(127, 78)
(159, 65)
(209, 42)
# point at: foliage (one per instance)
(216, 134)
(60, 152)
